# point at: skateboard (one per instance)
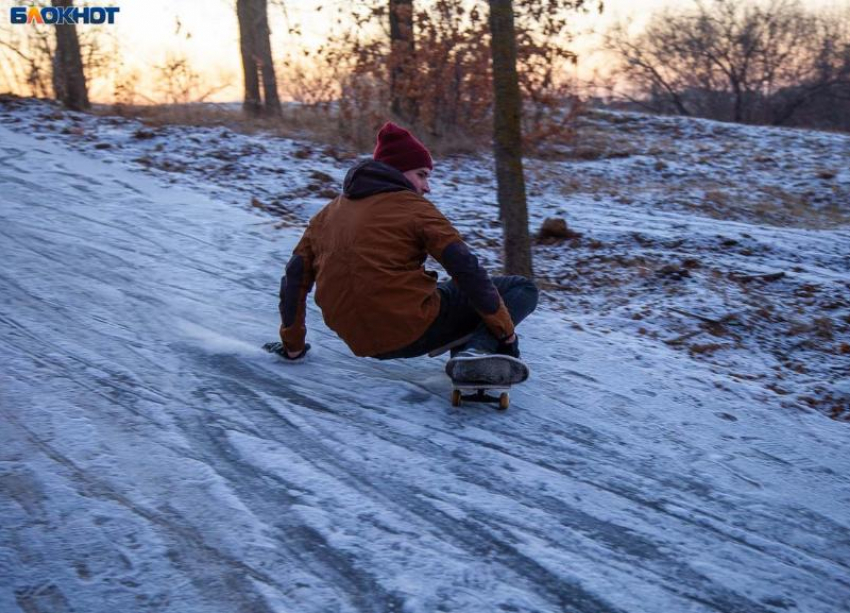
(478, 393)
(473, 377)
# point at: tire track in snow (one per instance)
(409, 502)
(721, 599)
(478, 538)
(228, 577)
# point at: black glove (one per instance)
(280, 349)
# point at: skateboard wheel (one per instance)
(455, 398)
(504, 401)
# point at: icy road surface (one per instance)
(152, 458)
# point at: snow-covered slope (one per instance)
(152, 458)
(728, 243)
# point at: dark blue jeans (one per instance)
(457, 318)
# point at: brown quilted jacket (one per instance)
(365, 252)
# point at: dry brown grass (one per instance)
(317, 123)
(778, 202)
(591, 144)
(704, 348)
(297, 121)
(767, 204)
(171, 114)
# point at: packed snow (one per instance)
(153, 458)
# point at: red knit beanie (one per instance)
(400, 149)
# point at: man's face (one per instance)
(419, 178)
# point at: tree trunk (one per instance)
(69, 79)
(252, 102)
(507, 139)
(402, 49)
(257, 63)
(264, 52)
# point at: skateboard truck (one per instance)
(479, 394)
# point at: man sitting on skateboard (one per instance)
(365, 252)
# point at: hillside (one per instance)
(729, 243)
(154, 459)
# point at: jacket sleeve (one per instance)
(295, 285)
(444, 243)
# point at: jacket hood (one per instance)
(369, 177)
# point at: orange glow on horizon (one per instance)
(151, 34)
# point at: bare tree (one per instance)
(755, 62)
(402, 59)
(261, 96)
(549, 19)
(32, 58)
(507, 140)
(69, 79)
(452, 92)
(26, 57)
(179, 83)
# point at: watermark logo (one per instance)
(63, 15)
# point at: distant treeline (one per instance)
(428, 64)
(772, 62)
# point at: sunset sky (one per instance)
(214, 43)
(148, 33)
